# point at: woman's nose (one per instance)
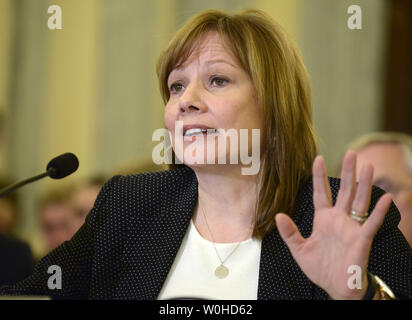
(190, 100)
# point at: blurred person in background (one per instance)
(57, 217)
(8, 209)
(390, 154)
(16, 259)
(82, 199)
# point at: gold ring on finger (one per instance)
(360, 217)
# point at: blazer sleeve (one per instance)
(74, 257)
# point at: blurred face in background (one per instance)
(392, 174)
(82, 201)
(57, 223)
(7, 216)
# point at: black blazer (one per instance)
(130, 239)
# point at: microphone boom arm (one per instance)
(5, 191)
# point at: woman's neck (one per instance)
(226, 204)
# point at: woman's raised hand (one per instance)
(338, 244)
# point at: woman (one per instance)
(206, 230)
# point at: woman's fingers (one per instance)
(348, 182)
(375, 220)
(322, 196)
(289, 232)
(363, 192)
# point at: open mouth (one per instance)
(199, 131)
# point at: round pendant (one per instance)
(221, 271)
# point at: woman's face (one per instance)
(211, 90)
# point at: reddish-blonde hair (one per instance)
(275, 66)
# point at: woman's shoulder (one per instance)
(143, 195)
(149, 186)
(160, 179)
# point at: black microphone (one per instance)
(62, 166)
(57, 168)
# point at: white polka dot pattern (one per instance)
(129, 241)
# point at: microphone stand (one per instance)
(5, 191)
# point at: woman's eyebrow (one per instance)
(209, 62)
(174, 72)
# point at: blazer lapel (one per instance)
(280, 277)
(152, 248)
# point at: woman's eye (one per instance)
(176, 87)
(218, 81)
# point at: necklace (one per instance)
(221, 271)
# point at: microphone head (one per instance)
(62, 165)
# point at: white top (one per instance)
(193, 271)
